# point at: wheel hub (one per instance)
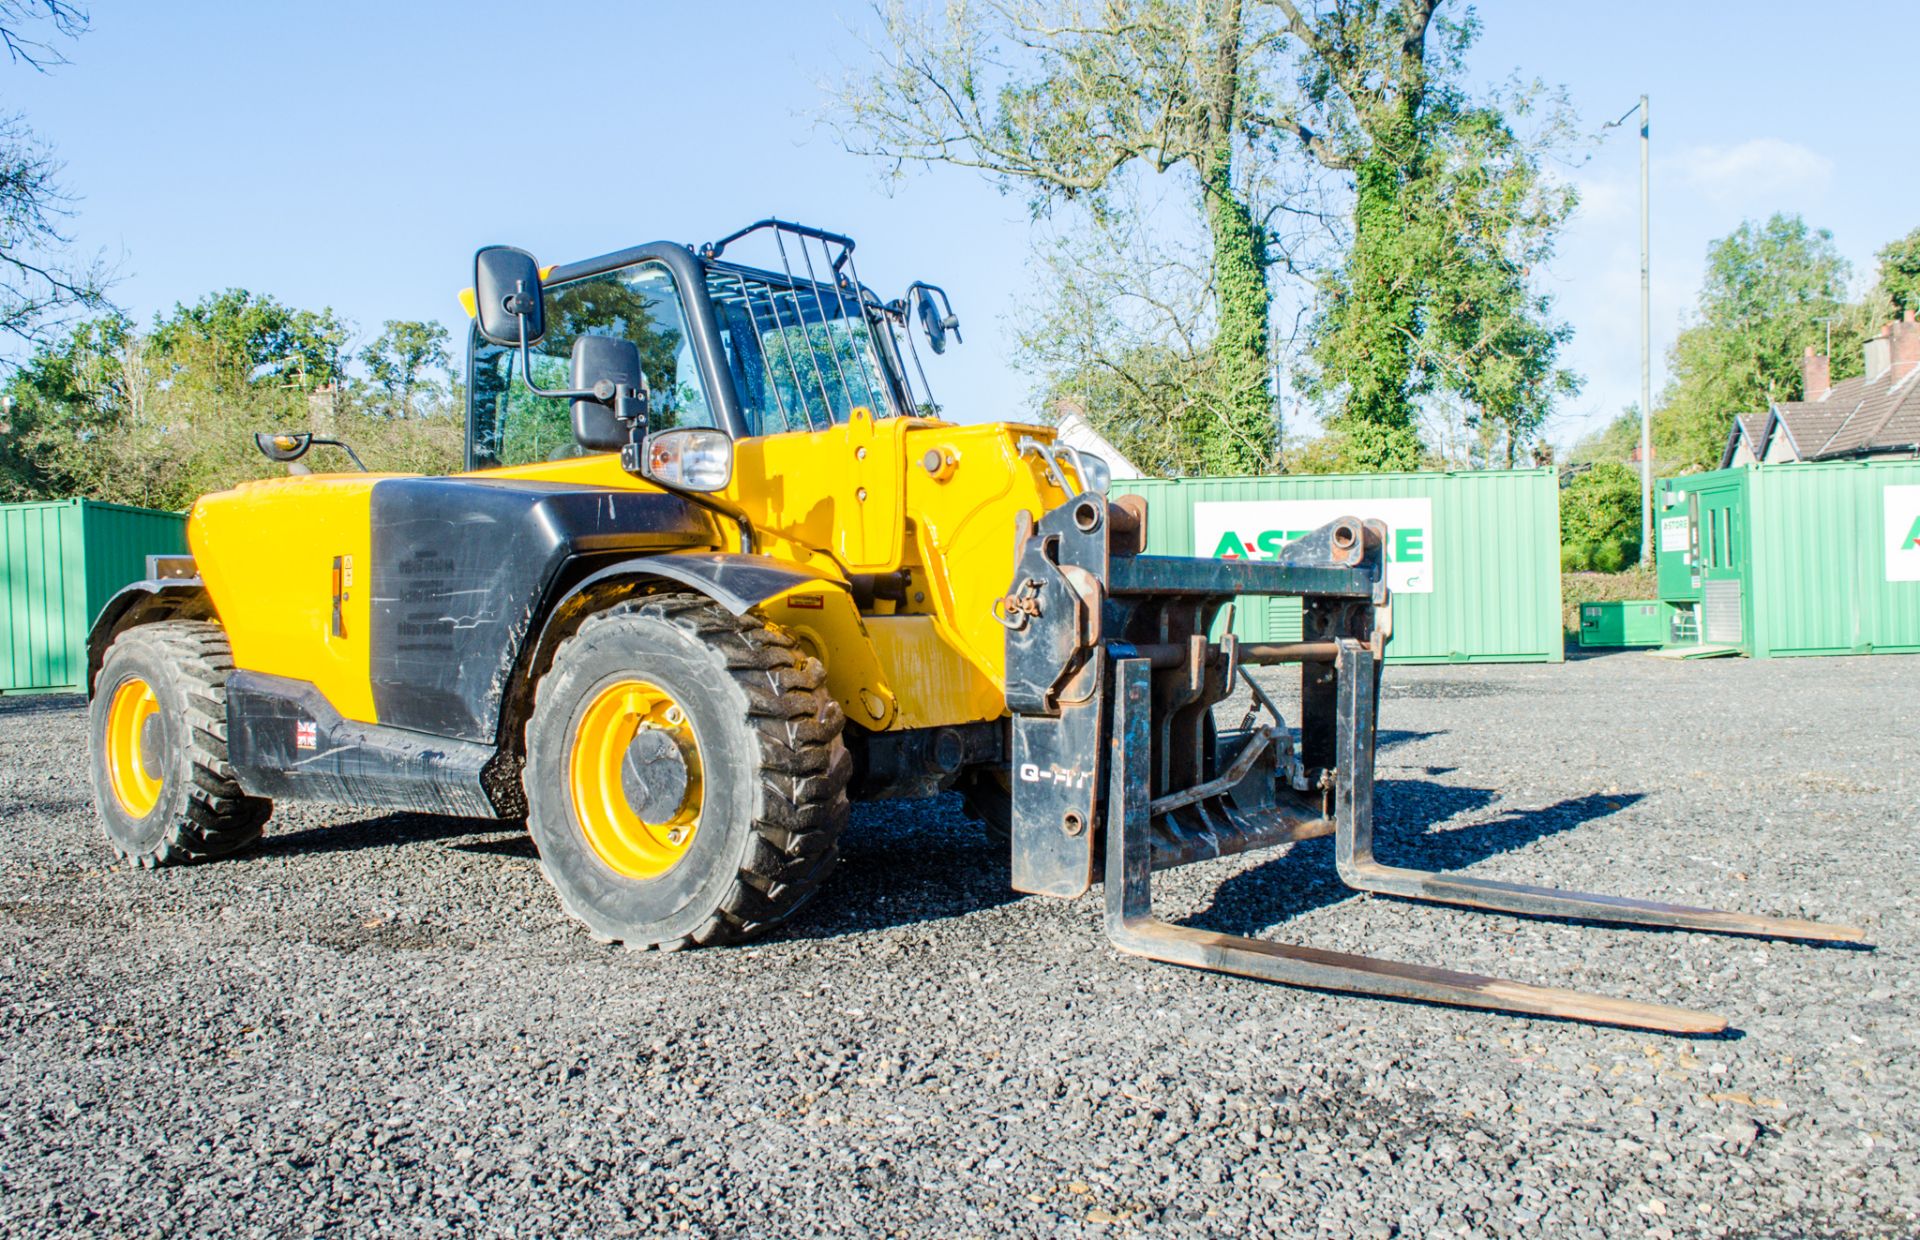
(153, 743)
(135, 747)
(636, 778)
(654, 776)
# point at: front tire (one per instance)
(157, 727)
(686, 780)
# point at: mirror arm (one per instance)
(526, 358)
(948, 319)
(344, 447)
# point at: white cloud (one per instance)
(1606, 199)
(1756, 168)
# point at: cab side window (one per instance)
(509, 425)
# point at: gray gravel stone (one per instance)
(382, 1024)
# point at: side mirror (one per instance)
(283, 446)
(506, 296)
(287, 447)
(932, 321)
(602, 365)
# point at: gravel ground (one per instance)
(383, 1025)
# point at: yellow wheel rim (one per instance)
(135, 787)
(631, 847)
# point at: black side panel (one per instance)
(287, 743)
(461, 569)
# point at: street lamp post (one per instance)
(1646, 342)
(1646, 358)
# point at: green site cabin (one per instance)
(1474, 556)
(60, 561)
(1796, 559)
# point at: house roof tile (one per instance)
(1858, 415)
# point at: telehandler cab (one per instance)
(716, 565)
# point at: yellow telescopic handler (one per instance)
(715, 566)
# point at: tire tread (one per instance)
(804, 766)
(218, 818)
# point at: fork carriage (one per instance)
(1106, 642)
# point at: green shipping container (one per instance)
(1799, 559)
(1474, 558)
(60, 562)
(1625, 622)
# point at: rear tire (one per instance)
(758, 793)
(157, 731)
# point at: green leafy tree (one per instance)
(1600, 518)
(1897, 289)
(1771, 290)
(158, 418)
(238, 341)
(1616, 441)
(1451, 213)
(1061, 102)
(401, 361)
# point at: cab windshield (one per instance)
(801, 355)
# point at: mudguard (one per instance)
(143, 602)
(738, 582)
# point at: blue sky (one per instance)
(355, 154)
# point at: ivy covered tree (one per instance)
(1061, 102)
(1252, 107)
(1451, 213)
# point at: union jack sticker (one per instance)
(306, 734)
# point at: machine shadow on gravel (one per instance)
(23, 706)
(1303, 878)
(390, 830)
(903, 863)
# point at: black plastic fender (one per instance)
(465, 570)
(143, 602)
(737, 581)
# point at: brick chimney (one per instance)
(1903, 341)
(1816, 370)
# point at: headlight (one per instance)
(1095, 475)
(693, 459)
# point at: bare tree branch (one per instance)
(67, 19)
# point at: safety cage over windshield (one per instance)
(749, 350)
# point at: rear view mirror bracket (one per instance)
(286, 447)
(935, 311)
